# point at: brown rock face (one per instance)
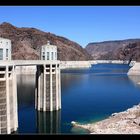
(121, 49)
(26, 43)
(131, 51)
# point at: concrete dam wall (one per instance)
(63, 65)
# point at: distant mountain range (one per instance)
(117, 50)
(26, 43)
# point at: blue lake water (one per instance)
(88, 95)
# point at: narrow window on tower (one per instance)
(47, 55)
(52, 56)
(1, 54)
(55, 56)
(43, 55)
(6, 54)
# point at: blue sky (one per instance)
(82, 24)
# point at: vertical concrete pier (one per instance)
(48, 92)
(8, 100)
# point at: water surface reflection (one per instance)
(88, 95)
(49, 122)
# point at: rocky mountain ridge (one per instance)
(114, 50)
(26, 43)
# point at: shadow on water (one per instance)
(26, 103)
(25, 90)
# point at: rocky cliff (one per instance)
(26, 43)
(126, 122)
(121, 49)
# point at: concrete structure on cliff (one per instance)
(48, 52)
(48, 88)
(5, 49)
(47, 91)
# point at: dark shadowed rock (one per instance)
(26, 43)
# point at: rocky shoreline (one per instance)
(135, 70)
(126, 122)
